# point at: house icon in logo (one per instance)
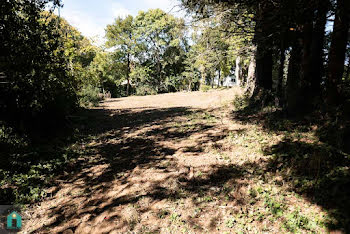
(14, 221)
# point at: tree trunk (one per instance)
(263, 29)
(128, 76)
(219, 78)
(306, 68)
(238, 70)
(281, 73)
(250, 84)
(293, 94)
(318, 38)
(304, 73)
(264, 67)
(338, 50)
(203, 79)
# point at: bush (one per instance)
(145, 90)
(89, 96)
(241, 102)
(37, 85)
(205, 88)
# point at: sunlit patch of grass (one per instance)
(197, 211)
(131, 216)
(230, 222)
(174, 217)
(162, 214)
(198, 116)
(275, 206)
(209, 117)
(295, 221)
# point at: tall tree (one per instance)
(263, 40)
(121, 35)
(338, 50)
(161, 37)
(32, 60)
(317, 46)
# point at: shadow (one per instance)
(125, 162)
(131, 161)
(317, 170)
(120, 147)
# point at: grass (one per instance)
(253, 172)
(27, 169)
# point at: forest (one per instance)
(278, 71)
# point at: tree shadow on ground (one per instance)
(319, 173)
(121, 147)
(317, 170)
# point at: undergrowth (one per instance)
(27, 168)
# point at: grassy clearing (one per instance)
(190, 170)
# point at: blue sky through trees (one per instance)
(91, 16)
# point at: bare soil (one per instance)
(166, 163)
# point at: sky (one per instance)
(90, 17)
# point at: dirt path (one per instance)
(166, 163)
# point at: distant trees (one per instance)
(279, 51)
(289, 34)
(153, 48)
(212, 50)
(217, 53)
(121, 35)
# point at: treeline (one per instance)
(156, 52)
(43, 65)
(295, 60)
(149, 51)
(278, 51)
(48, 68)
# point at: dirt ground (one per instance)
(166, 163)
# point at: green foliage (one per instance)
(161, 38)
(230, 222)
(104, 73)
(33, 63)
(142, 75)
(26, 169)
(275, 207)
(89, 96)
(151, 51)
(241, 102)
(43, 65)
(205, 88)
(295, 221)
(174, 217)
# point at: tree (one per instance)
(161, 42)
(37, 81)
(78, 51)
(338, 50)
(263, 30)
(121, 35)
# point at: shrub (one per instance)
(89, 96)
(241, 102)
(145, 90)
(205, 88)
